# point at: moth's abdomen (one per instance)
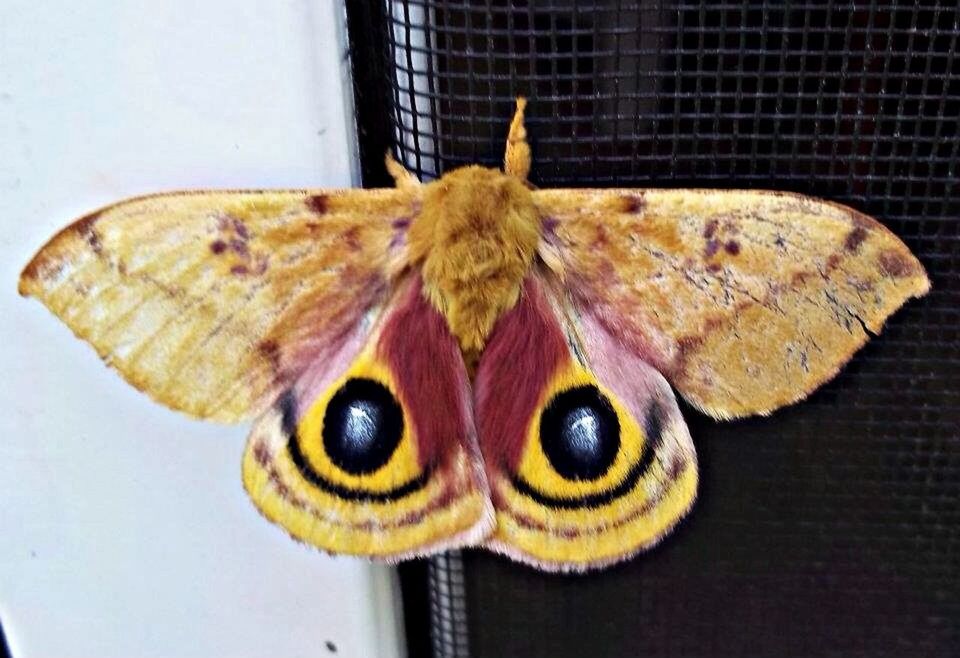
(476, 237)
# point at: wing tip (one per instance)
(920, 286)
(24, 283)
(896, 260)
(81, 228)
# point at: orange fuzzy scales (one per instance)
(474, 239)
(516, 160)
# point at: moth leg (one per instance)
(516, 160)
(402, 178)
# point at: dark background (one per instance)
(830, 528)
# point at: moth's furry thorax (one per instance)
(476, 236)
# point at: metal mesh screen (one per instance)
(832, 527)
(448, 615)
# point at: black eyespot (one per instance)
(362, 426)
(580, 433)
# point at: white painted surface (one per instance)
(124, 528)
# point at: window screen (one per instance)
(831, 527)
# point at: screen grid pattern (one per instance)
(831, 527)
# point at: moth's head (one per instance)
(478, 208)
(475, 239)
(474, 204)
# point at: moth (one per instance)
(471, 361)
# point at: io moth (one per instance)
(473, 362)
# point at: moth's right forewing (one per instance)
(745, 300)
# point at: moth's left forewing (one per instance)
(211, 302)
(745, 300)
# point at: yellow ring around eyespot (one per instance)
(606, 533)
(535, 467)
(360, 527)
(650, 485)
(357, 511)
(403, 465)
